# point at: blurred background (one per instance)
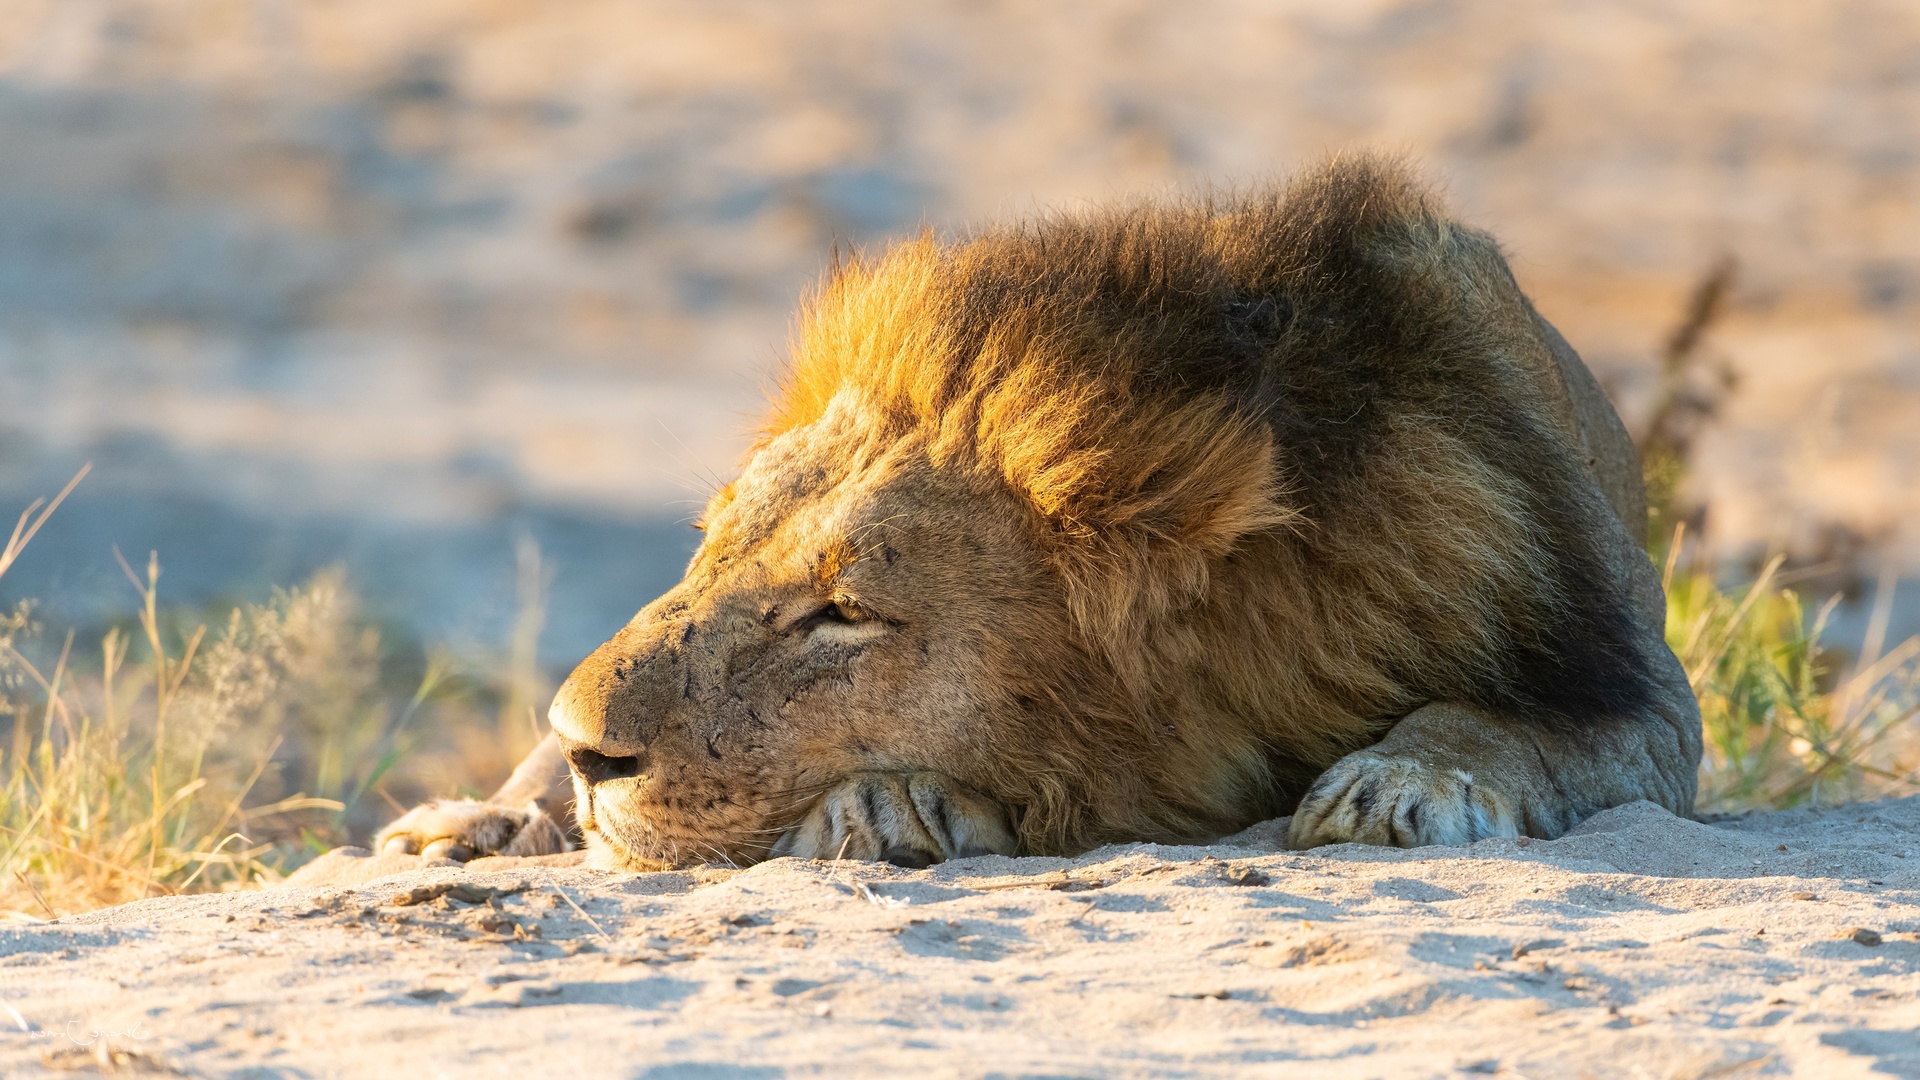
(475, 300)
(417, 287)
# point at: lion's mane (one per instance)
(1296, 458)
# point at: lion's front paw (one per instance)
(909, 819)
(463, 829)
(1371, 797)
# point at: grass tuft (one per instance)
(166, 758)
(1787, 722)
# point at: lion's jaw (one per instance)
(845, 613)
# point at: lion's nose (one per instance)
(597, 768)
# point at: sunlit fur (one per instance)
(1160, 510)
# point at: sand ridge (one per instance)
(1640, 945)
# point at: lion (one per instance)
(1140, 524)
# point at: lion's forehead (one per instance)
(809, 488)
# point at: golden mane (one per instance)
(1106, 366)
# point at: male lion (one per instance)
(1142, 524)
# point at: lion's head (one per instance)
(994, 472)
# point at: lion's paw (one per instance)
(463, 829)
(1377, 798)
(909, 819)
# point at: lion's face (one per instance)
(849, 610)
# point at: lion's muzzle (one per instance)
(607, 712)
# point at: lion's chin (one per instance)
(603, 854)
(608, 852)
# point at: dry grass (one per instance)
(168, 758)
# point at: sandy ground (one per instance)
(1640, 945)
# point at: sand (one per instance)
(1640, 945)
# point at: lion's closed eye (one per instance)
(832, 613)
(840, 620)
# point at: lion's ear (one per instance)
(1138, 504)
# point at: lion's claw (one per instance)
(1372, 797)
(908, 819)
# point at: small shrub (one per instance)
(1786, 721)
